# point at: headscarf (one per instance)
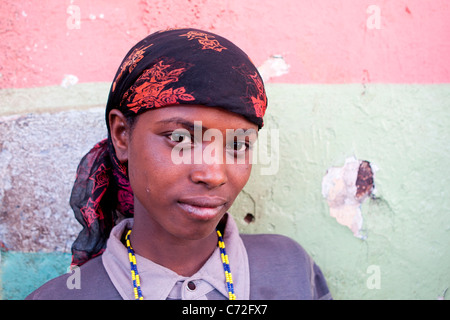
(172, 67)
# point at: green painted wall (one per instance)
(21, 272)
(405, 131)
(402, 129)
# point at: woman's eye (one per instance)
(238, 146)
(180, 137)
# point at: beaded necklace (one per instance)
(137, 281)
(134, 272)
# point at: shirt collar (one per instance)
(160, 283)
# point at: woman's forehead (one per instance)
(191, 116)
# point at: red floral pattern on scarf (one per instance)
(255, 90)
(260, 101)
(150, 91)
(130, 63)
(207, 41)
(90, 213)
(92, 210)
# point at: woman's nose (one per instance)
(211, 170)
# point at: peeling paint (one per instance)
(364, 180)
(69, 80)
(273, 67)
(345, 189)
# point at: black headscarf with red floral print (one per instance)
(172, 67)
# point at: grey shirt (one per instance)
(265, 267)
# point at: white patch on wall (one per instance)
(69, 80)
(273, 67)
(345, 189)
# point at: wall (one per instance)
(364, 79)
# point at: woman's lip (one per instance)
(202, 208)
(203, 202)
(200, 213)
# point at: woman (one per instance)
(155, 227)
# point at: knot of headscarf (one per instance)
(172, 67)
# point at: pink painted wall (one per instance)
(323, 41)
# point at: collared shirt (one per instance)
(278, 266)
(161, 283)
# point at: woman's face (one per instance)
(186, 165)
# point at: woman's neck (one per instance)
(183, 256)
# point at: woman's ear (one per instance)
(120, 134)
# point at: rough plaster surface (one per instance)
(24, 272)
(39, 154)
(53, 98)
(324, 41)
(403, 129)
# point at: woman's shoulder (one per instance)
(88, 282)
(281, 269)
(274, 245)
